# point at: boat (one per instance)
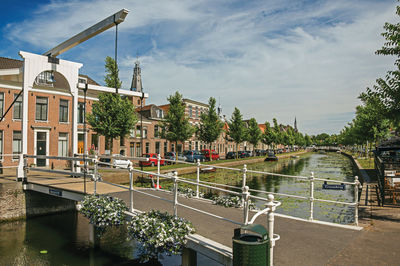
(271, 158)
(295, 156)
(208, 169)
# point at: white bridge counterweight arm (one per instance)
(103, 25)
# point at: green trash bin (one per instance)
(251, 249)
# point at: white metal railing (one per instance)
(15, 158)
(311, 179)
(270, 204)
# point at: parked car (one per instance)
(214, 155)
(192, 156)
(271, 157)
(119, 161)
(172, 156)
(230, 155)
(152, 160)
(243, 154)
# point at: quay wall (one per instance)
(15, 203)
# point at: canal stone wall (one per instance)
(15, 203)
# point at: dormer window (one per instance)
(160, 113)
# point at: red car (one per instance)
(152, 160)
(214, 156)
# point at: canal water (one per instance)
(63, 239)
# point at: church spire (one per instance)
(295, 124)
(136, 79)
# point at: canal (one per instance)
(62, 239)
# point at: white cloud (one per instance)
(270, 59)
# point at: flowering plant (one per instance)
(103, 211)
(231, 201)
(159, 233)
(188, 192)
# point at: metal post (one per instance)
(175, 177)
(311, 196)
(356, 186)
(244, 176)
(270, 222)
(131, 186)
(198, 178)
(158, 171)
(95, 174)
(245, 198)
(25, 178)
(84, 138)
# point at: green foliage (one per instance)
(211, 126)
(176, 126)
(159, 233)
(112, 116)
(111, 78)
(268, 137)
(254, 133)
(237, 129)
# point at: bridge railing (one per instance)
(270, 203)
(310, 179)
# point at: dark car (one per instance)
(230, 155)
(192, 156)
(243, 154)
(271, 157)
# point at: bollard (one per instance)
(311, 196)
(270, 222)
(198, 178)
(130, 186)
(158, 171)
(175, 178)
(245, 199)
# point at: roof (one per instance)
(262, 127)
(392, 143)
(9, 63)
(195, 102)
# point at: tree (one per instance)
(237, 130)
(268, 137)
(254, 133)
(112, 116)
(111, 78)
(211, 126)
(388, 90)
(176, 126)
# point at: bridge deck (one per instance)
(301, 243)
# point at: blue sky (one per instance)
(273, 58)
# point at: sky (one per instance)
(283, 59)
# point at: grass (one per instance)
(366, 163)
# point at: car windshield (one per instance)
(187, 153)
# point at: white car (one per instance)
(120, 162)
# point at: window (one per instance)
(46, 78)
(81, 112)
(190, 111)
(156, 131)
(165, 148)
(82, 80)
(1, 103)
(147, 147)
(138, 150)
(63, 110)
(1, 144)
(63, 144)
(160, 113)
(145, 132)
(132, 149)
(197, 112)
(172, 147)
(95, 142)
(17, 144)
(158, 147)
(17, 114)
(41, 108)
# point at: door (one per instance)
(41, 147)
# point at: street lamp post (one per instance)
(84, 136)
(141, 131)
